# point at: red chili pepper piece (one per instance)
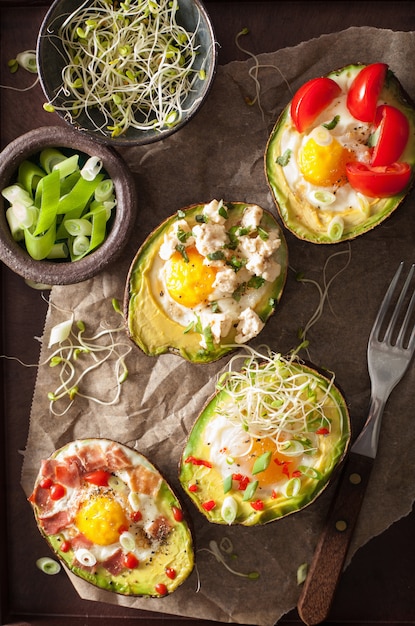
(171, 573)
(322, 431)
(131, 561)
(242, 480)
(177, 513)
(122, 529)
(136, 516)
(193, 487)
(209, 505)
(297, 474)
(161, 589)
(258, 505)
(194, 461)
(65, 546)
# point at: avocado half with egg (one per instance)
(112, 519)
(267, 443)
(319, 195)
(206, 280)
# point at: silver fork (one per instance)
(388, 359)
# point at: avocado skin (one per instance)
(291, 210)
(149, 327)
(177, 549)
(210, 483)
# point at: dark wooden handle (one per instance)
(327, 565)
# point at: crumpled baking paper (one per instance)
(219, 154)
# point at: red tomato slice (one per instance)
(98, 477)
(393, 129)
(378, 182)
(363, 94)
(311, 99)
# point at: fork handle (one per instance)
(327, 564)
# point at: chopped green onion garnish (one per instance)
(48, 566)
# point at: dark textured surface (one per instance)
(378, 587)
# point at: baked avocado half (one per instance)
(112, 519)
(207, 278)
(340, 158)
(267, 443)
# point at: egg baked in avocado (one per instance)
(341, 156)
(207, 279)
(267, 443)
(112, 519)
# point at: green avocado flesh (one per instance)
(238, 472)
(149, 324)
(83, 525)
(302, 217)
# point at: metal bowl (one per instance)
(52, 59)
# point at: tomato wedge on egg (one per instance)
(311, 99)
(381, 181)
(362, 97)
(392, 127)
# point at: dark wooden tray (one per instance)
(379, 586)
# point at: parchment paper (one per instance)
(220, 155)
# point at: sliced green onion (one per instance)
(321, 136)
(80, 246)
(27, 216)
(67, 166)
(335, 228)
(27, 60)
(92, 168)
(28, 175)
(40, 246)
(49, 157)
(48, 566)
(15, 225)
(302, 571)
(116, 483)
(321, 198)
(85, 557)
(227, 483)
(104, 190)
(262, 462)
(79, 226)
(127, 541)
(60, 332)
(50, 189)
(250, 490)
(229, 509)
(292, 487)
(17, 194)
(310, 472)
(59, 251)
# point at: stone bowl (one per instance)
(120, 225)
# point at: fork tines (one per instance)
(400, 330)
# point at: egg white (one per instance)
(352, 135)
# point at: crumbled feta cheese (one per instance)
(249, 326)
(209, 238)
(225, 283)
(271, 270)
(171, 240)
(211, 211)
(220, 325)
(252, 217)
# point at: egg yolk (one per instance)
(188, 281)
(100, 520)
(279, 467)
(324, 165)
